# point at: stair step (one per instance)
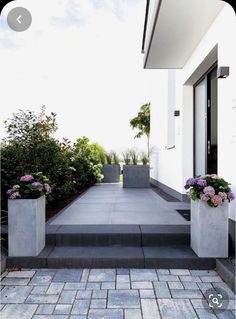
(114, 257)
(121, 235)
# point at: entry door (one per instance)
(205, 125)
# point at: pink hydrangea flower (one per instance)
(223, 195)
(216, 200)
(209, 190)
(26, 178)
(47, 188)
(205, 198)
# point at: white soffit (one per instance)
(179, 28)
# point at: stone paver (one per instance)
(98, 294)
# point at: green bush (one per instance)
(30, 148)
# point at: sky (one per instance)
(81, 59)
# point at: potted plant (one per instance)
(26, 215)
(111, 170)
(135, 175)
(210, 196)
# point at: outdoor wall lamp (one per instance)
(222, 72)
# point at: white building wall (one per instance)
(173, 167)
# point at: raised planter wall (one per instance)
(111, 173)
(136, 176)
(26, 226)
(209, 229)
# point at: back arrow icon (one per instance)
(18, 19)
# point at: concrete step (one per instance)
(114, 257)
(118, 235)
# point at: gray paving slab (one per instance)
(18, 311)
(123, 299)
(111, 204)
(176, 309)
(15, 294)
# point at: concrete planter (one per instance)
(111, 173)
(26, 226)
(136, 176)
(209, 229)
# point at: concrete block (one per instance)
(111, 173)
(26, 220)
(209, 229)
(136, 176)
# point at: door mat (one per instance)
(185, 213)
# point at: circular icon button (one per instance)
(19, 19)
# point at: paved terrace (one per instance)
(110, 294)
(113, 204)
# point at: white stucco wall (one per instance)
(172, 167)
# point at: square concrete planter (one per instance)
(136, 176)
(111, 173)
(26, 226)
(209, 229)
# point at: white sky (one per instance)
(82, 59)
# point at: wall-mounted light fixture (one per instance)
(176, 113)
(222, 72)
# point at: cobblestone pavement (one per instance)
(109, 294)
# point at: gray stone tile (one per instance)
(108, 285)
(67, 296)
(123, 299)
(199, 303)
(176, 309)
(42, 299)
(189, 294)
(11, 281)
(98, 304)
(45, 309)
(123, 285)
(122, 278)
(203, 273)
(190, 278)
(77, 317)
(39, 279)
(93, 285)
(21, 274)
(62, 309)
(1, 306)
(122, 271)
(105, 314)
(141, 285)
(161, 290)
(168, 278)
(99, 294)
(68, 275)
(85, 274)
(150, 309)
(175, 285)
(100, 275)
(180, 272)
(205, 314)
(75, 286)
(18, 311)
(190, 285)
(147, 293)
(50, 317)
(16, 294)
(84, 294)
(211, 279)
(39, 290)
(133, 314)
(80, 307)
(204, 285)
(224, 315)
(55, 288)
(163, 271)
(143, 275)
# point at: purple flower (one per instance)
(230, 196)
(201, 182)
(205, 198)
(26, 178)
(209, 191)
(37, 185)
(191, 181)
(10, 192)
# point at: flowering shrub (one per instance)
(30, 187)
(209, 188)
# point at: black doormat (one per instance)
(185, 213)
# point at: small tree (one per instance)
(142, 123)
